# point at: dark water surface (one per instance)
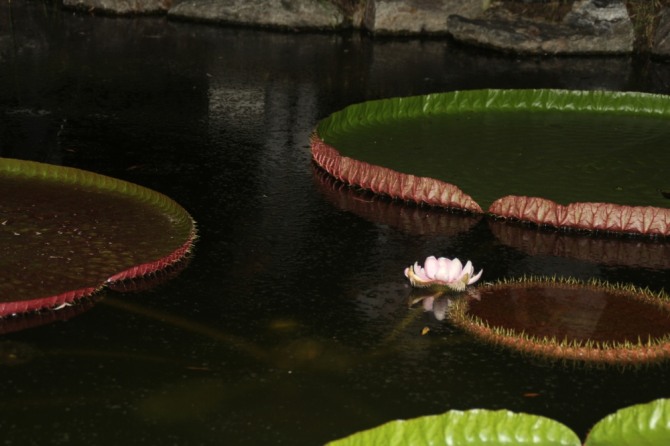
(290, 326)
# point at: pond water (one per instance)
(290, 325)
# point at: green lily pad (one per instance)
(563, 146)
(639, 425)
(475, 427)
(64, 233)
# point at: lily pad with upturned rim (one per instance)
(566, 319)
(65, 233)
(581, 159)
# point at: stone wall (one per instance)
(590, 27)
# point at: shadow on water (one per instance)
(290, 325)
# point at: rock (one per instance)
(591, 27)
(271, 13)
(597, 13)
(415, 16)
(121, 7)
(661, 44)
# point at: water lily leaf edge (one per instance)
(609, 217)
(179, 217)
(476, 427)
(491, 99)
(646, 424)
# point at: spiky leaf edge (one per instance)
(614, 353)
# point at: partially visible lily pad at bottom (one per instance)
(640, 425)
(65, 233)
(467, 428)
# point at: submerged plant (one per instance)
(442, 274)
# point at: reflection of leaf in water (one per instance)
(36, 319)
(609, 250)
(407, 217)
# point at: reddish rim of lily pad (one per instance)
(646, 220)
(566, 319)
(74, 232)
(33, 319)
(382, 180)
(55, 301)
(151, 280)
(635, 252)
(410, 218)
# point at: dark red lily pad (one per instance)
(568, 319)
(65, 233)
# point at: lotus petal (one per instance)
(431, 266)
(455, 270)
(476, 277)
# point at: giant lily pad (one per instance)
(639, 425)
(476, 427)
(579, 159)
(567, 319)
(65, 233)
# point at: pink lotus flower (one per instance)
(442, 273)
